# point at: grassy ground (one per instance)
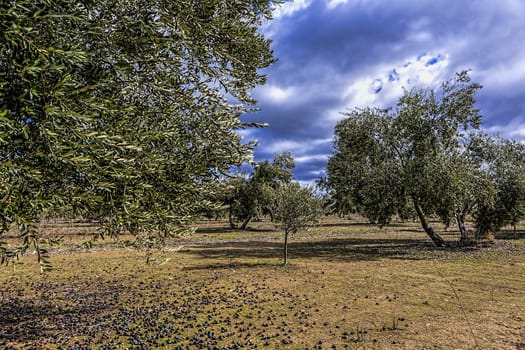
(349, 285)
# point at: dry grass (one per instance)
(349, 285)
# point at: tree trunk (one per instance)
(230, 218)
(464, 239)
(482, 231)
(245, 222)
(285, 248)
(429, 230)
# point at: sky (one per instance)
(336, 55)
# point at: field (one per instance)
(349, 285)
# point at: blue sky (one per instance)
(336, 55)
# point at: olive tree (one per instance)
(126, 112)
(408, 159)
(294, 208)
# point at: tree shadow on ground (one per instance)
(348, 224)
(219, 230)
(510, 234)
(334, 249)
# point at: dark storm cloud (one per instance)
(339, 54)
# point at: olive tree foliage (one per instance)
(252, 196)
(410, 160)
(294, 208)
(124, 112)
(333, 203)
(503, 164)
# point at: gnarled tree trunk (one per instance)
(230, 219)
(245, 222)
(429, 230)
(464, 234)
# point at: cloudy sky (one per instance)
(340, 54)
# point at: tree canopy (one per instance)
(420, 159)
(294, 208)
(502, 164)
(252, 196)
(125, 112)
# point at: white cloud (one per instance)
(295, 147)
(317, 173)
(313, 157)
(282, 146)
(382, 86)
(513, 130)
(334, 3)
(506, 74)
(290, 7)
(420, 37)
(274, 94)
(360, 93)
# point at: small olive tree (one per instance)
(294, 208)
